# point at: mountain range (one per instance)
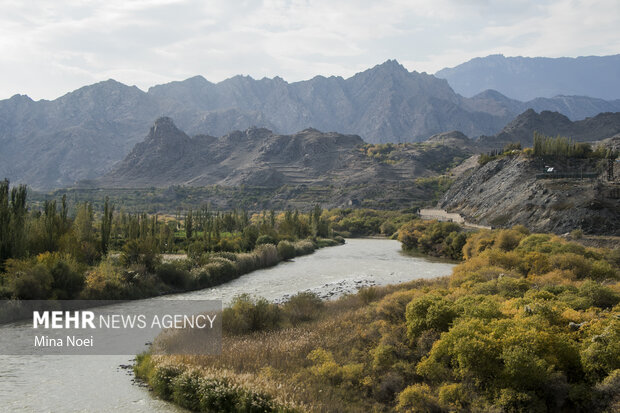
(527, 78)
(83, 134)
(259, 157)
(521, 129)
(305, 167)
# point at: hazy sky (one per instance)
(50, 47)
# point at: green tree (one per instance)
(51, 221)
(189, 225)
(106, 225)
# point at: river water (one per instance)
(99, 384)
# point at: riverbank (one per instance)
(49, 383)
(522, 315)
(206, 270)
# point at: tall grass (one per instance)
(211, 269)
(209, 390)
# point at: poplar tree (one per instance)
(106, 225)
(189, 225)
(5, 222)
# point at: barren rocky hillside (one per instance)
(330, 168)
(506, 192)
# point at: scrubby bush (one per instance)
(388, 228)
(104, 281)
(482, 307)
(327, 242)
(218, 270)
(303, 247)
(418, 398)
(428, 312)
(162, 378)
(598, 295)
(576, 234)
(304, 306)
(140, 252)
(247, 314)
(455, 396)
(172, 275)
(31, 283)
(286, 250)
(186, 390)
(442, 239)
(267, 255)
(67, 274)
(266, 239)
(246, 262)
(195, 390)
(509, 239)
(196, 249)
(339, 239)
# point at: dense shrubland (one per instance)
(366, 222)
(438, 239)
(526, 323)
(63, 252)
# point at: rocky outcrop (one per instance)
(453, 139)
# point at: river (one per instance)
(99, 384)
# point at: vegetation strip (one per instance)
(527, 322)
(48, 254)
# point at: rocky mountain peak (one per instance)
(163, 124)
(165, 131)
(530, 117)
(20, 98)
(491, 94)
(391, 65)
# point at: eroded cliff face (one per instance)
(506, 192)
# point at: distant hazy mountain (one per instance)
(384, 104)
(77, 136)
(527, 78)
(82, 134)
(522, 128)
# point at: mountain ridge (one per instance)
(306, 167)
(527, 78)
(522, 128)
(82, 134)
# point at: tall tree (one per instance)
(106, 225)
(18, 220)
(189, 225)
(64, 212)
(5, 222)
(83, 223)
(51, 221)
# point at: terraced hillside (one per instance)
(304, 168)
